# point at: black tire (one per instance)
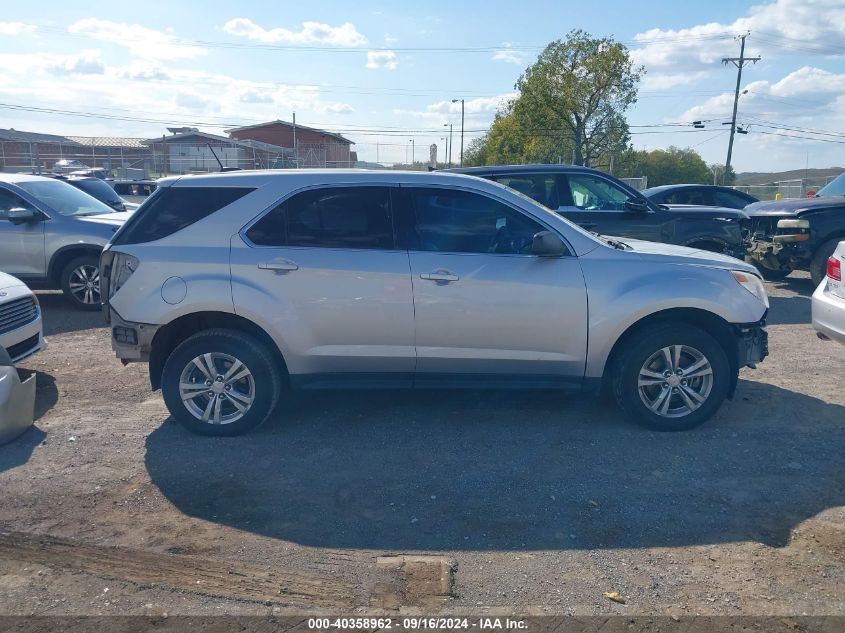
(769, 274)
(264, 381)
(818, 265)
(74, 277)
(650, 341)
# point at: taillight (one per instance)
(834, 269)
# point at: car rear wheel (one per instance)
(672, 377)
(220, 382)
(80, 282)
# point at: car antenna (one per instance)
(222, 168)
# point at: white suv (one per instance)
(235, 287)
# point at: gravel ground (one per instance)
(457, 502)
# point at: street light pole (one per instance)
(462, 128)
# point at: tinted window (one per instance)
(596, 194)
(463, 222)
(171, 209)
(729, 199)
(337, 217)
(687, 196)
(9, 200)
(100, 189)
(541, 188)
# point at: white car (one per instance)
(829, 299)
(20, 337)
(20, 319)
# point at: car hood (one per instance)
(672, 253)
(112, 219)
(7, 281)
(706, 211)
(797, 206)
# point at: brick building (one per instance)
(314, 148)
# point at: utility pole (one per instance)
(462, 129)
(449, 145)
(412, 153)
(295, 153)
(739, 62)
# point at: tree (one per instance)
(571, 107)
(577, 93)
(664, 166)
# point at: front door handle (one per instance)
(440, 275)
(279, 265)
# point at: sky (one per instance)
(384, 74)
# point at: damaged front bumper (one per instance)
(131, 342)
(752, 344)
(17, 400)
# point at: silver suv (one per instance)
(236, 287)
(51, 235)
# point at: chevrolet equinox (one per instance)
(237, 287)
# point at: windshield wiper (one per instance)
(617, 244)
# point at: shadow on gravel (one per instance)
(60, 316)
(46, 394)
(17, 452)
(794, 309)
(509, 471)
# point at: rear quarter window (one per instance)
(171, 209)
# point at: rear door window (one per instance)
(171, 209)
(333, 217)
(542, 188)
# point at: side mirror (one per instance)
(636, 206)
(19, 215)
(547, 244)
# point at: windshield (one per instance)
(835, 187)
(100, 189)
(65, 199)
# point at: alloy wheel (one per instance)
(217, 388)
(84, 284)
(675, 381)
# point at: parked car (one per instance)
(20, 319)
(92, 172)
(828, 302)
(601, 203)
(798, 234)
(66, 166)
(101, 190)
(20, 337)
(134, 191)
(701, 195)
(51, 235)
(236, 286)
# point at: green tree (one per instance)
(577, 93)
(664, 166)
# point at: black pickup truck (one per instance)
(800, 234)
(601, 203)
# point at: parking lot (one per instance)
(446, 501)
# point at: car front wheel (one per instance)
(672, 377)
(220, 382)
(81, 282)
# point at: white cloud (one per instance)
(783, 27)
(382, 60)
(661, 81)
(508, 55)
(311, 33)
(84, 63)
(141, 41)
(143, 70)
(16, 28)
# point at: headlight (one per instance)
(122, 268)
(753, 284)
(793, 224)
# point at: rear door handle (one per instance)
(440, 275)
(279, 265)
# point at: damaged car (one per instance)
(799, 234)
(21, 336)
